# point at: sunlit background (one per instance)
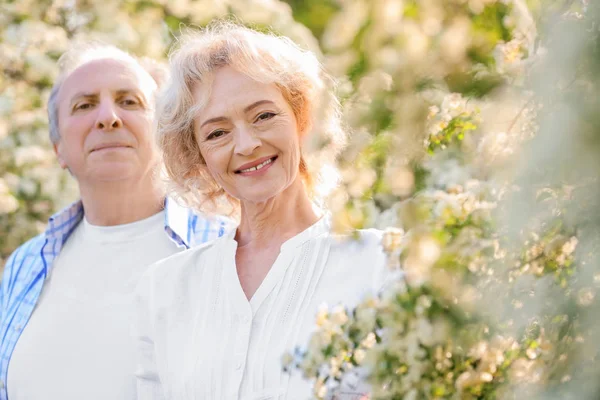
(474, 142)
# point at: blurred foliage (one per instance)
(314, 14)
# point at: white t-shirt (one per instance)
(77, 343)
(198, 337)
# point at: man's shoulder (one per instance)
(31, 248)
(204, 228)
(194, 226)
(24, 256)
(208, 219)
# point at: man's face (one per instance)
(105, 111)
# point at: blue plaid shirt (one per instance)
(27, 268)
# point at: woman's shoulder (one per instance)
(189, 256)
(362, 241)
(361, 255)
(179, 266)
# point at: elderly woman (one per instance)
(214, 321)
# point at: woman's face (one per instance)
(248, 136)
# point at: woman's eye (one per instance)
(215, 134)
(265, 116)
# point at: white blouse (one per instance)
(198, 337)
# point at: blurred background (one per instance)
(474, 143)
(385, 54)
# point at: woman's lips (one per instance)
(258, 167)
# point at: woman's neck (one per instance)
(273, 222)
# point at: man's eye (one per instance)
(265, 116)
(83, 106)
(129, 102)
(215, 134)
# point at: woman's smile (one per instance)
(258, 167)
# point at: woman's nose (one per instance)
(246, 141)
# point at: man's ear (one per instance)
(58, 151)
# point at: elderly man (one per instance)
(65, 296)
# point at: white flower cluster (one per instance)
(450, 121)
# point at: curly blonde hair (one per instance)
(266, 58)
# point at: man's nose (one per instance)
(108, 117)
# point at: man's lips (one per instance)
(255, 164)
(109, 146)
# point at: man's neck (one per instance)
(117, 203)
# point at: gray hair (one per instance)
(83, 53)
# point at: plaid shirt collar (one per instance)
(62, 224)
